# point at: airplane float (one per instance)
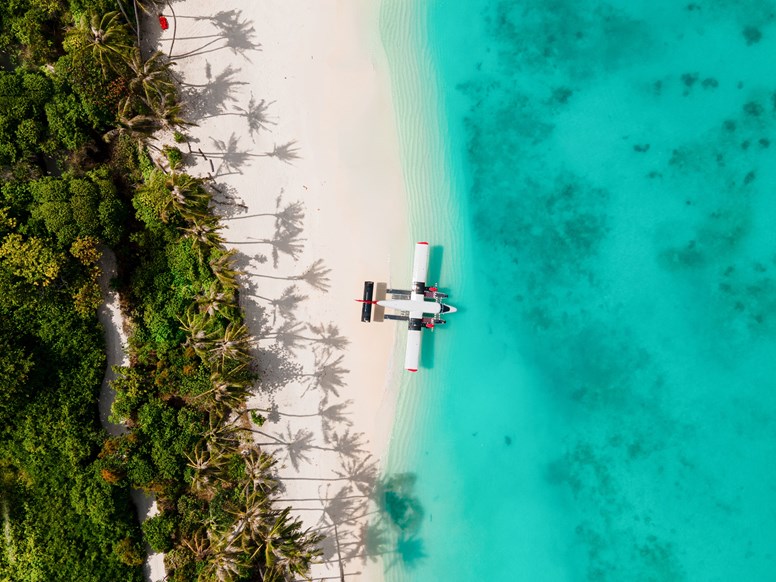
(422, 307)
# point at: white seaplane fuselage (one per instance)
(420, 307)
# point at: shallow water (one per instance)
(602, 408)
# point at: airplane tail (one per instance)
(366, 308)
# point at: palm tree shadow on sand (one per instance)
(288, 226)
(232, 32)
(211, 98)
(276, 368)
(225, 198)
(238, 32)
(316, 276)
(289, 215)
(233, 157)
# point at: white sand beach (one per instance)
(296, 127)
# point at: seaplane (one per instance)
(421, 307)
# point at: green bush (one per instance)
(84, 202)
(125, 161)
(32, 26)
(67, 121)
(16, 194)
(111, 210)
(92, 497)
(151, 199)
(32, 259)
(72, 207)
(158, 532)
(174, 157)
(140, 471)
(16, 363)
(29, 135)
(128, 552)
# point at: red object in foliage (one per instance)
(163, 22)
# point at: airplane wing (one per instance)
(415, 327)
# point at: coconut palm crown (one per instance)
(105, 37)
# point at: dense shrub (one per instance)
(158, 532)
(71, 207)
(69, 517)
(31, 29)
(67, 121)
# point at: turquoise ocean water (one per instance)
(603, 407)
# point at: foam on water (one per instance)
(599, 180)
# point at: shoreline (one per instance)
(328, 381)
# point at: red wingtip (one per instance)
(423, 243)
(412, 370)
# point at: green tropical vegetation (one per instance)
(79, 105)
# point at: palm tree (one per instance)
(253, 509)
(169, 112)
(188, 197)
(288, 551)
(139, 127)
(220, 437)
(149, 6)
(224, 393)
(106, 38)
(217, 300)
(199, 330)
(227, 563)
(232, 345)
(258, 470)
(223, 269)
(152, 81)
(204, 233)
(198, 544)
(208, 465)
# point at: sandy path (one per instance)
(109, 315)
